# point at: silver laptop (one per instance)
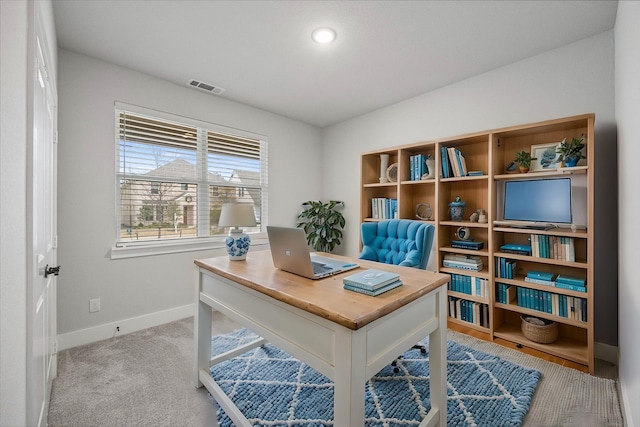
(290, 253)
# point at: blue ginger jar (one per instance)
(456, 209)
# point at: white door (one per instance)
(41, 311)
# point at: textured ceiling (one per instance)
(261, 52)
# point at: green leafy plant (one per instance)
(571, 149)
(523, 158)
(322, 224)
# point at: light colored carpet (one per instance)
(144, 379)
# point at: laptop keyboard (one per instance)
(319, 268)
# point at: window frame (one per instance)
(128, 249)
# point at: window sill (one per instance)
(165, 248)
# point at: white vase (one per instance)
(431, 167)
(384, 164)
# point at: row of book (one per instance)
(469, 311)
(463, 262)
(453, 162)
(557, 280)
(372, 282)
(384, 208)
(553, 247)
(470, 285)
(547, 302)
(418, 167)
(504, 268)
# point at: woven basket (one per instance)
(539, 330)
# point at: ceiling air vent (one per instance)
(216, 90)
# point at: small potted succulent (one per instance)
(571, 152)
(523, 159)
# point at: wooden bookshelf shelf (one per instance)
(489, 153)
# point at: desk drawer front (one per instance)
(406, 325)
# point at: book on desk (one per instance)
(372, 282)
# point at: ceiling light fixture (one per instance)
(323, 35)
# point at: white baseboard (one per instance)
(606, 352)
(109, 330)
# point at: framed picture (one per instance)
(545, 156)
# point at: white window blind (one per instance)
(175, 173)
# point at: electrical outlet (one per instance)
(94, 305)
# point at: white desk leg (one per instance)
(201, 336)
(349, 381)
(438, 360)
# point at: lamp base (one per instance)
(237, 243)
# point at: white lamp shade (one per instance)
(237, 215)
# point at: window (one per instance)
(175, 173)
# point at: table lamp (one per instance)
(237, 215)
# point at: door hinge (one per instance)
(55, 136)
(55, 347)
(54, 242)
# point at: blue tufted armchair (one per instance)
(397, 241)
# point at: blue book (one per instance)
(376, 292)
(571, 287)
(443, 158)
(370, 279)
(570, 280)
(540, 275)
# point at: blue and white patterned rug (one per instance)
(271, 388)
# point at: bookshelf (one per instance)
(490, 152)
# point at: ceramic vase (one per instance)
(384, 164)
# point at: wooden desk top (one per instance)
(326, 297)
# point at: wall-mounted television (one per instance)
(538, 200)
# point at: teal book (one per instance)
(541, 275)
(376, 292)
(370, 279)
(570, 280)
(571, 287)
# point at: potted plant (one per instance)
(571, 152)
(523, 159)
(322, 224)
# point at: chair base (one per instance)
(422, 349)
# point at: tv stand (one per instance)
(533, 227)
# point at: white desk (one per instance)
(347, 336)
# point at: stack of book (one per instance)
(541, 278)
(372, 282)
(384, 208)
(572, 283)
(505, 268)
(554, 247)
(463, 262)
(417, 167)
(453, 162)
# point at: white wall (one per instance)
(575, 79)
(13, 225)
(627, 63)
(134, 287)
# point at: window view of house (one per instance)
(173, 178)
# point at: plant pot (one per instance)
(570, 162)
(523, 169)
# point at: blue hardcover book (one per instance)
(370, 279)
(541, 275)
(570, 280)
(375, 292)
(571, 287)
(445, 166)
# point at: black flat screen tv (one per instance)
(538, 200)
